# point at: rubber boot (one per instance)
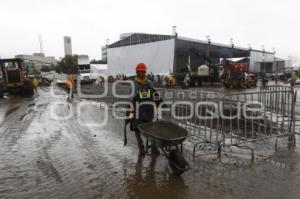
(141, 150)
(140, 144)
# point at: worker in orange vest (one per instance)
(70, 85)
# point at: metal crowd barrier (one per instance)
(239, 118)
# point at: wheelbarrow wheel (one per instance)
(177, 162)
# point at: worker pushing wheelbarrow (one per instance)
(163, 135)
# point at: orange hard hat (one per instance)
(141, 67)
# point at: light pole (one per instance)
(231, 43)
(250, 47)
(208, 48)
(174, 31)
(263, 49)
(276, 66)
(249, 60)
(208, 39)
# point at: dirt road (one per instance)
(45, 156)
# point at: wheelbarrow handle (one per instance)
(127, 121)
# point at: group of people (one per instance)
(162, 80)
(121, 77)
(99, 83)
(159, 80)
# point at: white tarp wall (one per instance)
(99, 69)
(256, 56)
(158, 56)
(83, 60)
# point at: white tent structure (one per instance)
(99, 68)
(165, 54)
(158, 56)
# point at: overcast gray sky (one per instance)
(272, 23)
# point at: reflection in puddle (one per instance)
(146, 182)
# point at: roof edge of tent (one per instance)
(150, 38)
(221, 45)
(159, 37)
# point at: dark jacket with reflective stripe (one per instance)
(144, 93)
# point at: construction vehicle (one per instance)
(84, 70)
(195, 76)
(236, 74)
(13, 78)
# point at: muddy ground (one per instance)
(43, 155)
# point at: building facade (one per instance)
(67, 45)
(165, 54)
(104, 53)
(35, 62)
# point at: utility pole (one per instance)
(276, 66)
(208, 48)
(231, 43)
(174, 31)
(41, 44)
(263, 49)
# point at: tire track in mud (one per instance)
(99, 172)
(14, 160)
(57, 170)
(45, 163)
(15, 170)
(54, 174)
(48, 166)
(15, 125)
(102, 170)
(76, 170)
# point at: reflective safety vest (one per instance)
(145, 111)
(145, 94)
(35, 83)
(69, 84)
(69, 81)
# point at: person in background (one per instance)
(294, 78)
(151, 77)
(155, 79)
(70, 86)
(1, 90)
(173, 80)
(98, 82)
(264, 82)
(36, 84)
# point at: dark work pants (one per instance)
(141, 143)
(139, 139)
(69, 92)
